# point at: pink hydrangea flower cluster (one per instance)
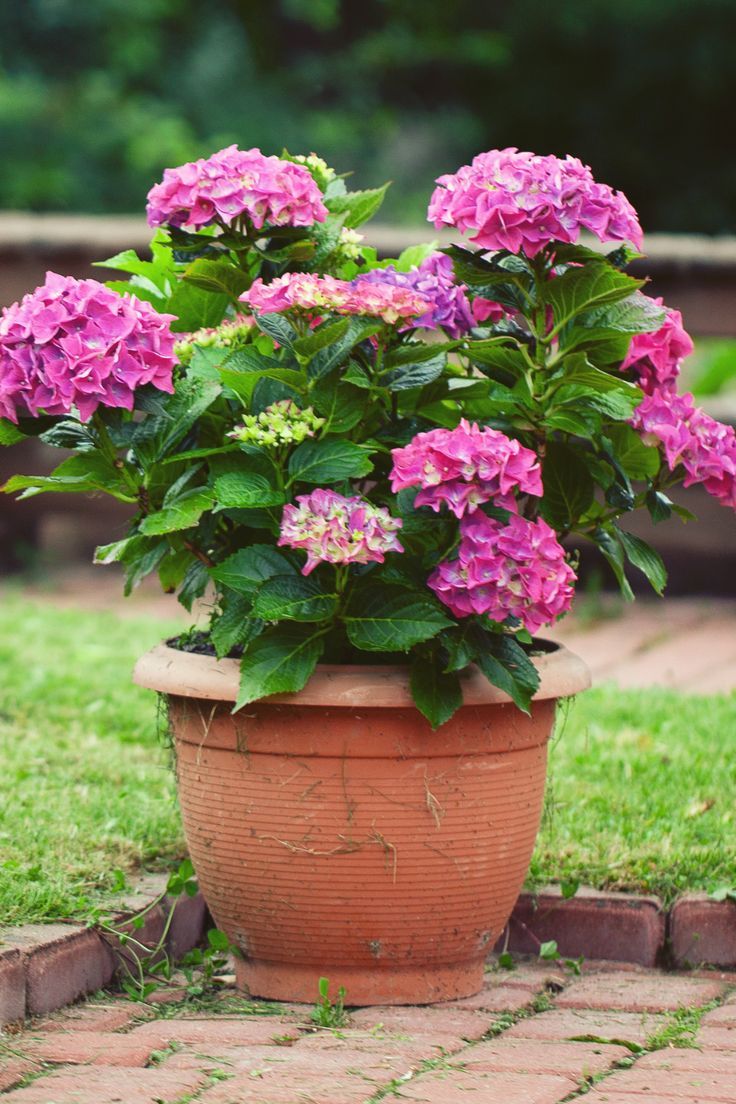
(705, 447)
(305, 291)
(235, 182)
(517, 569)
(331, 528)
(520, 201)
(434, 278)
(77, 344)
(464, 467)
(656, 357)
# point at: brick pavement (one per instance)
(533, 1036)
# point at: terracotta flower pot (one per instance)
(334, 834)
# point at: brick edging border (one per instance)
(45, 967)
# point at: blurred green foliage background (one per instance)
(98, 96)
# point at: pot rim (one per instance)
(379, 686)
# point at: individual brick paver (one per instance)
(96, 1048)
(451, 1087)
(635, 992)
(88, 1085)
(687, 1084)
(575, 1061)
(496, 1048)
(571, 1024)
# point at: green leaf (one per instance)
(246, 488)
(248, 568)
(195, 308)
(638, 460)
(358, 207)
(115, 552)
(549, 950)
(414, 367)
(279, 328)
(643, 556)
(506, 665)
(171, 417)
(235, 625)
(387, 621)
(327, 461)
(9, 433)
(413, 255)
(183, 513)
(335, 354)
(245, 383)
(568, 486)
(89, 471)
(437, 694)
(610, 545)
(635, 313)
(578, 290)
(295, 598)
(220, 276)
(280, 661)
(340, 404)
(321, 337)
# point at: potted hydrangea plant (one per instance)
(374, 474)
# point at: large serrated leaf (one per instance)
(280, 661)
(568, 486)
(436, 693)
(328, 461)
(247, 568)
(183, 513)
(246, 489)
(295, 598)
(358, 207)
(506, 665)
(643, 556)
(581, 289)
(386, 621)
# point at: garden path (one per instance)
(534, 1035)
(687, 644)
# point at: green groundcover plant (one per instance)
(366, 460)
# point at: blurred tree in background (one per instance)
(98, 96)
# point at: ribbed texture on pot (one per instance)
(359, 845)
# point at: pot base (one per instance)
(363, 986)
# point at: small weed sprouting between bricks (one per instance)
(679, 1031)
(147, 969)
(329, 1013)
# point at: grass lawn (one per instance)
(641, 793)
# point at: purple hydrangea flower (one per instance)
(235, 182)
(656, 357)
(705, 447)
(77, 344)
(464, 467)
(521, 201)
(331, 528)
(517, 569)
(306, 291)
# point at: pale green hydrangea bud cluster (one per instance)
(230, 334)
(349, 245)
(321, 172)
(281, 423)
